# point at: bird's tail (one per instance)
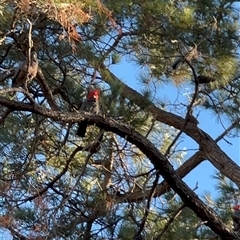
(82, 128)
(177, 62)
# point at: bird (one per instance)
(201, 79)
(91, 104)
(26, 72)
(187, 54)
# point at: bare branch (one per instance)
(209, 147)
(160, 162)
(170, 221)
(234, 124)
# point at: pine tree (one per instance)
(123, 179)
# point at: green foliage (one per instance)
(127, 231)
(55, 178)
(25, 214)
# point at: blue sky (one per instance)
(128, 72)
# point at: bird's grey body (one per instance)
(26, 71)
(187, 53)
(89, 105)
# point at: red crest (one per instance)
(94, 93)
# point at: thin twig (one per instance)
(188, 114)
(147, 210)
(30, 45)
(170, 221)
(173, 217)
(192, 229)
(235, 123)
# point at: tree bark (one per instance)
(158, 160)
(211, 151)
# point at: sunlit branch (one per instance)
(232, 126)
(158, 160)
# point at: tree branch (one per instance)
(46, 90)
(164, 187)
(160, 162)
(208, 146)
(170, 221)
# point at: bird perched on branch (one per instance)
(205, 79)
(91, 104)
(236, 218)
(187, 53)
(26, 72)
